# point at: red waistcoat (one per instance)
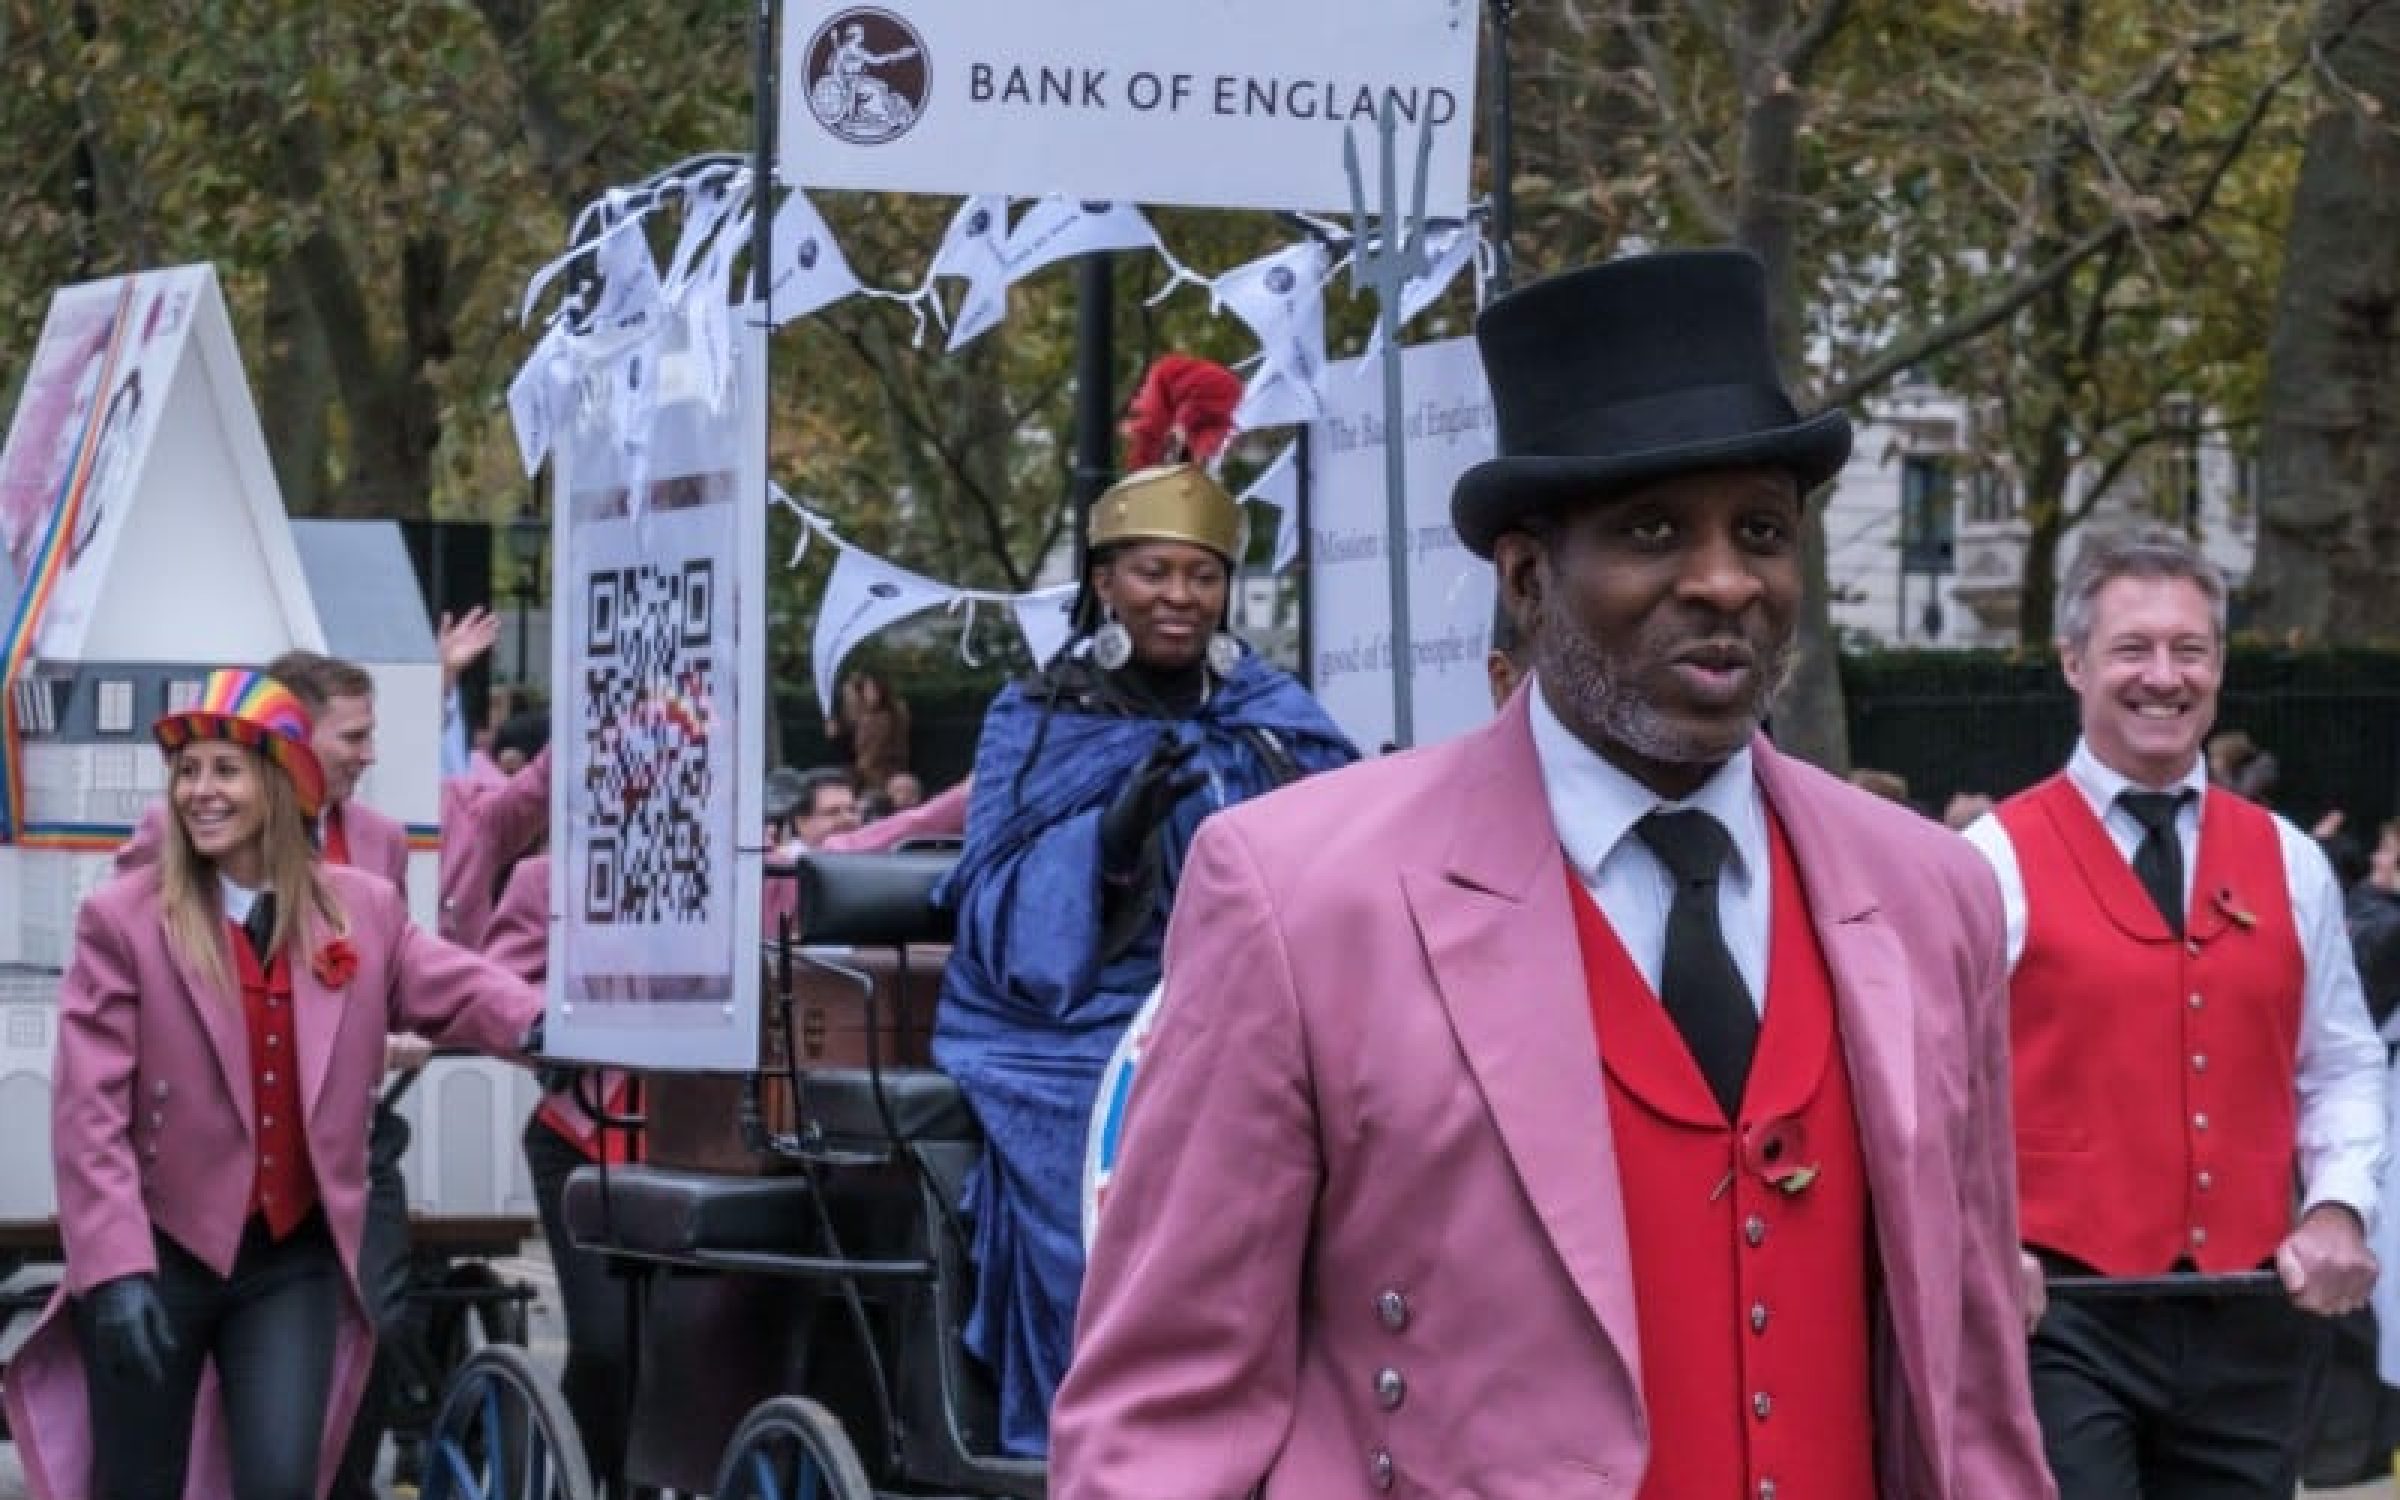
(1750, 1248)
(2154, 1100)
(282, 1188)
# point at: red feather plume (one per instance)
(1183, 412)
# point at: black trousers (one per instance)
(383, 1283)
(270, 1327)
(2177, 1398)
(598, 1378)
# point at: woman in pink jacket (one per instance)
(221, 1031)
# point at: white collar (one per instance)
(1594, 804)
(2102, 783)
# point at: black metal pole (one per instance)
(1302, 483)
(762, 163)
(524, 627)
(1504, 166)
(1095, 391)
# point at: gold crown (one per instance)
(1169, 503)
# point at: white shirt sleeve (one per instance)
(454, 734)
(2341, 1082)
(1991, 841)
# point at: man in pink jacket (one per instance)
(1601, 1104)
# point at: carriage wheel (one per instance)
(790, 1448)
(503, 1434)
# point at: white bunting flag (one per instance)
(1282, 298)
(707, 308)
(811, 273)
(631, 293)
(706, 210)
(1448, 250)
(972, 250)
(531, 406)
(1278, 485)
(863, 595)
(1057, 229)
(1045, 617)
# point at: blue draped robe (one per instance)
(1031, 1007)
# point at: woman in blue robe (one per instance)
(1090, 780)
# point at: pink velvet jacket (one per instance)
(152, 1131)
(1366, 1238)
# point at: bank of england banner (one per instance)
(1204, 103)
(1449, 424)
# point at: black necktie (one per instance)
(1697, 980)
(259, 926)
(2159, 859)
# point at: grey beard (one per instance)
(1581, 679)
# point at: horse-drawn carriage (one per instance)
(796, 1270)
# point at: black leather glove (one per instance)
(129, 1328)
(1149, 794)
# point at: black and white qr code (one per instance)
(649, 686)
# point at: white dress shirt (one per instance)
(238, 899)
(1594, 807)
(2341, 1061)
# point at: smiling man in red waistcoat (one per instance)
(1600, 1104)
(2179, 961)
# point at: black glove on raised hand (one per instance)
(1149, 794)
(129, 1328)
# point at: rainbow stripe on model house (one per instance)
(75, 838)
(48, 565)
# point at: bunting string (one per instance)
(596, 361)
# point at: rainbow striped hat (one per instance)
(250, 708)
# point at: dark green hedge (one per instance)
(1995, 721)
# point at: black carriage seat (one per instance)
(875, 900)
(667, 1211)
(882, 899)
(871, 1109)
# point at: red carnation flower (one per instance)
(1774, 1150)
(335, 963)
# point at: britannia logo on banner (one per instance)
(868, 76)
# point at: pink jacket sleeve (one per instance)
(942, 817)
(519, 938)
(485, 829)
(1998, 1442)
(437, 989)
(102, 1221)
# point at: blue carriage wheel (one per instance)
(791, 1448)
(503, 1433)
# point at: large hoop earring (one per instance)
(1112, 643)
(1224, 654)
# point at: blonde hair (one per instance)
(193, 906)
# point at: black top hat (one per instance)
(1631, 371)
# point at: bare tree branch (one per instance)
(1996, 309)
(1687, 164)
(1810, 40)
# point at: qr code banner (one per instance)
(651, 768)
(650, 686)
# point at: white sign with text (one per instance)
(1448, 416)
(1205, 103)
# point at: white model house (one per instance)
(143, 528)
